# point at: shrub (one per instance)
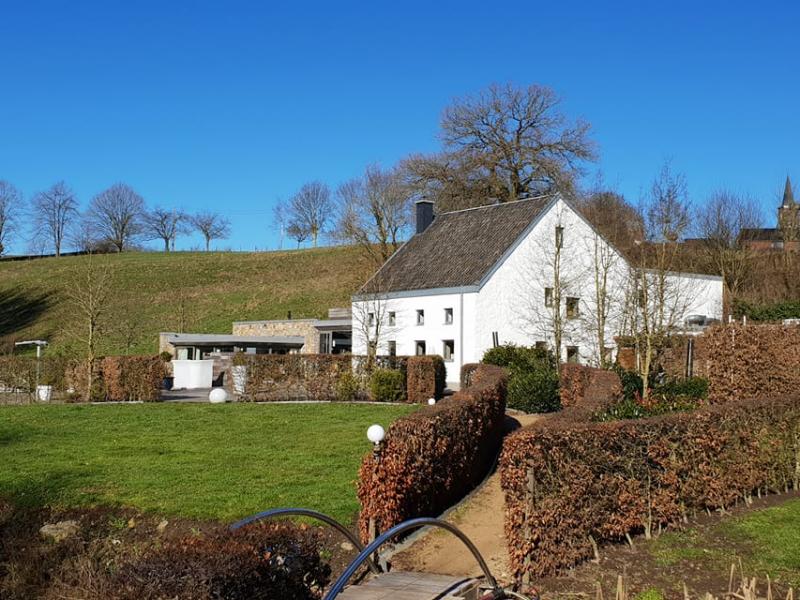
(269, 562)
(166, 356)
(132, 378)
(533, 381)
(534, 391)
(433, 457)
(570, 484)
(387, 386)
(632, 383)
(348, 387)
(425, 378)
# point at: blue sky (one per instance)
(230, 105)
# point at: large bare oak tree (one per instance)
(115, 216)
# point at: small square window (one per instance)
(572, 354)
(548, 297)
(559, 236)
(573, 308)
(541, 345)
(392, 319)
(420, 317)
(392, 347)
(448, 350)
(419, 348)
(371, 319)
(448, 316)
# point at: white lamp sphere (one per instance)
(375, 434)
(431, 401)
(218, 396)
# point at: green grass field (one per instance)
(215, 288)
(193, 460)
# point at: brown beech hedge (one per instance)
(425, 378)
(586, 391)
(571, 484)
(433, 457)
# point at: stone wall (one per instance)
(292, 327)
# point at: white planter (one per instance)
(239, 378)
(44, 392)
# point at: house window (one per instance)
(420, 317)
(371, 319)
(419, 347)
(448, 316)
(541, 345)
(559, 236)
(325, 343)
(548, 297)
(448, 349)
(392, 347)
(608, 353)
(572, 354)
(573, 308)
(392, 319)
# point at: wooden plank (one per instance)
(402, 585)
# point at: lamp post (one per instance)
(375, 434)
(39, 345)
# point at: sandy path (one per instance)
(480, 517)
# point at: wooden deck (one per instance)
(401, 585)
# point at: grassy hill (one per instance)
(150, 288)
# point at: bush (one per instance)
(268, 562)
(632, 383)
(132, 378)
(348, 388)
(433, 457)
(571, 484)
(533, 381)
(534, 391)
(387, 386)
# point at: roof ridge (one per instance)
(482, 206)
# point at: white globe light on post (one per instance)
(431, 401)
(375, 434)
(218, 396)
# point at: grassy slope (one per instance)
(201, 461)
(219, 287)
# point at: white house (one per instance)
(471, 279)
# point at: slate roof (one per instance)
(458, 248)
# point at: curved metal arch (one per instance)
(365, 554)
(304, 512)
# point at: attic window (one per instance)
(392, 319)
(371, 319)
(420, 317)
(559, 236)
(448, 316)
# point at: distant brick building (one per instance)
(786, 236)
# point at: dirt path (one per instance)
(480, 516)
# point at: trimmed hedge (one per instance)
(571, 484)
(586, 391)
(533, 382)
(433, 457)
(132, 378)
(425, 378)
(386, 385)
(749, 360)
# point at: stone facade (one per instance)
(288, 327)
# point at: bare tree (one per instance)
(372, 318)
(212, 226)
(613, 216)
(87, 293)
(660, 300)
(298, 233)
(310, 209)
(165, 225)
(720, 224)
(10, 209)
(280, 220)
(116, 216)
(374, 212)
(511, 140)
(53, 212)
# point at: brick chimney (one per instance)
(424, 214)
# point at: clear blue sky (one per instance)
(230, 105)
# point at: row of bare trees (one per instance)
(116, 219)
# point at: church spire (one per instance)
(788, 194)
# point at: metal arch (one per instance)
(304, 512)
(365, 554)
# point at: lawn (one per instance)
(193, 460)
